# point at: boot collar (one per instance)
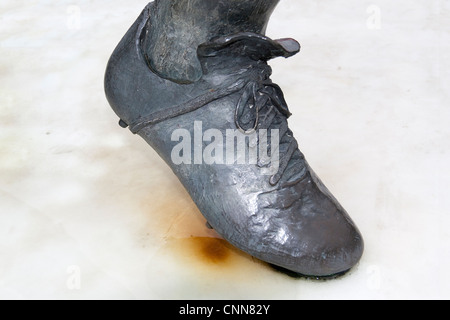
(250, 45)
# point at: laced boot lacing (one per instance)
(261, 103)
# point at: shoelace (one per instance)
(262, 102)
(260, 95)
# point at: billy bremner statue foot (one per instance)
(192, 79)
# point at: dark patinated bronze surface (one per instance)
(198, 65)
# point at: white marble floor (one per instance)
(89, 211)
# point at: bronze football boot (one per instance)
(191, 78)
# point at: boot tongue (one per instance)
(251, 45)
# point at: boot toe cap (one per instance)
(322, 249)
(314, 236)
